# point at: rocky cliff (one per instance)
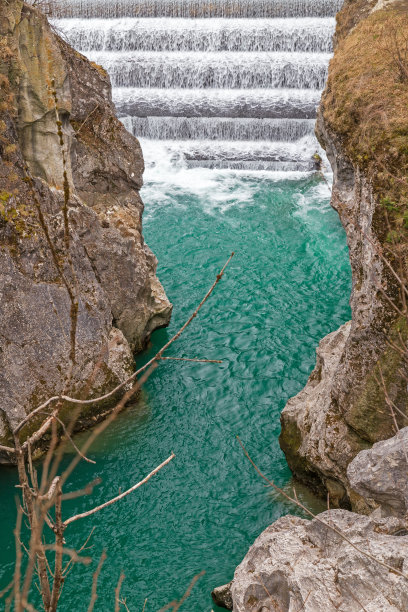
(78, 290)
(357, 394)
(297, 564)
(346, 432)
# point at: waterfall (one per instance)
(109, 9)
(221, 83)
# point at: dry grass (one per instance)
(366, 102)
(350, 15)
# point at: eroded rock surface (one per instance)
(103, 259)
(343, 409)
(298, 564)
(380, 475)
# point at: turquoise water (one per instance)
(287, 286)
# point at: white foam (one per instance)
(172, 34)
(168, 175)
(218, 128)
(227, 88)
(109, 9)
(231, 70)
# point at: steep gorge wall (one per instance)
(104, 260)
(363, 125)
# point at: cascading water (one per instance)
(246, 73)
(196, 8)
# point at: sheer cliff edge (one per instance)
(363, 125)
(78, 286)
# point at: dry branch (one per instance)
(94, 595)
(175, 604)
(42, 501)
(117, 591)
(121, 496)
(193, 360)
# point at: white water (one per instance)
(232, 70)
(109, 9)
(306, 35)
(261, 103)
(221, 83)
(219, 128)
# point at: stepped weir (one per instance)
(222, 83)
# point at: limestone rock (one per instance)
(106, 264)
(222, 596)
(343, 410)
(380, 474)
(312, 436)
(297, 564)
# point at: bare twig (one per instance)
(86, 119)
(121, 496)
(112, 416)
(72, 441)
(81, 492)
(70, 552)
(83, 547)
(59, 546)
(194, 360)
(302, 607)
(157, 357)
(117, 591)
(6, 589)
(7, 449)
(94, 595)
(176, 605)
(17, 568)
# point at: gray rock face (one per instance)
(380, 475)
(107, 264)
(329, 423)
(222, 596)
(298, 564)
(315, 440)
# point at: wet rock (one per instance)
(314, 439)
(222, 596)
(343, 409)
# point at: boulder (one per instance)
(380, 474)
(298, 564)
